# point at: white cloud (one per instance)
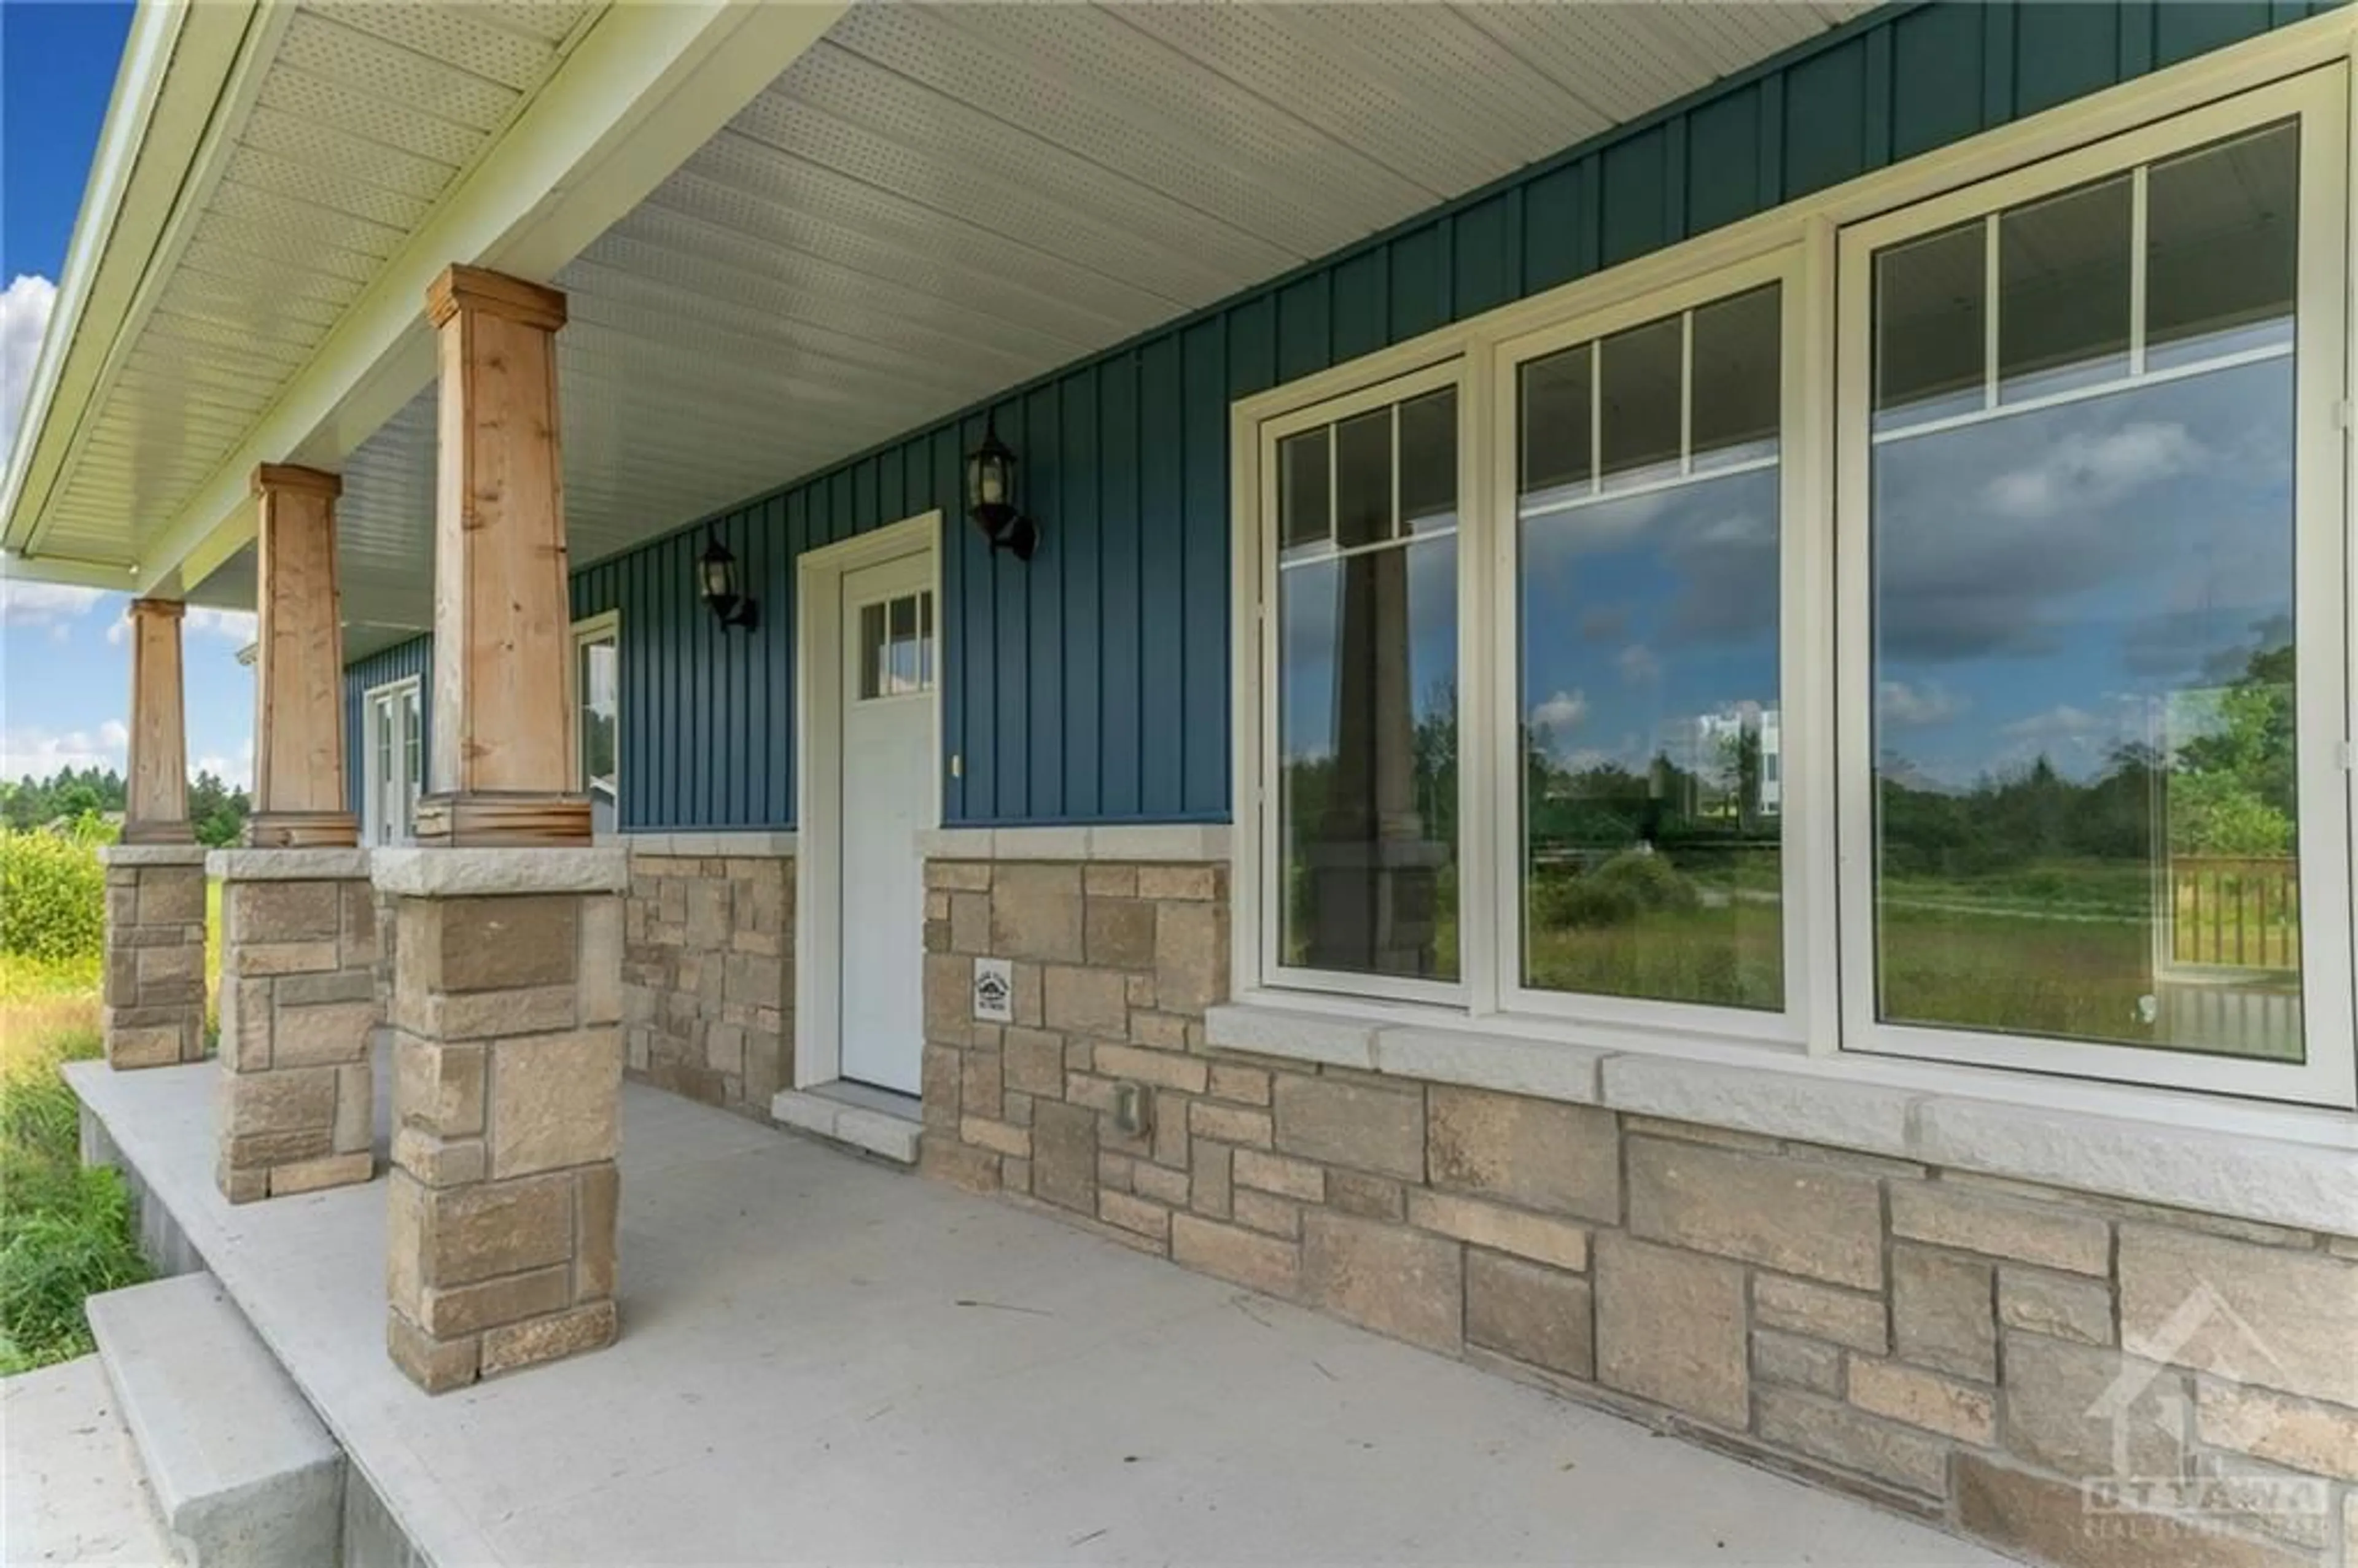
(50, 604)
(236, 771)
(1898, 702)
(24, 313)
(2059, 721)
(41, 752)
(237, 625)
(1562, 711)
(1637, 665)
(234, 625)
(2087, 471)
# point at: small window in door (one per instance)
(896, 646)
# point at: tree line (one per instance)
(216, 811)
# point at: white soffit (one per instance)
(938, 201)
(362, 119)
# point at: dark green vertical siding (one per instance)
(1092, 684)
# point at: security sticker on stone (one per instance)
(994, 990)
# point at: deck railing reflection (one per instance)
(2236, 912)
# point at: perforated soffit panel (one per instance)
(936, 202)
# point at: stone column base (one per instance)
(153, 990)
(507, 1005)
(298, 1010)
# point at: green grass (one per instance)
(66, 1232)
(2073, 977)
(1729, 956)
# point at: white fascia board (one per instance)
(65, 570)
(646, 87)
(179, 61)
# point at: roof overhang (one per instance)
(632, 92)
(789, 231)
(182, 69)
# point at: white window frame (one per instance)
(1803, 653)
(2321, 607)
(2312, 64)
(1471, 876)
(372, 759)
(605, 627)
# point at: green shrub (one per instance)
(1633, 883)
(53, 894)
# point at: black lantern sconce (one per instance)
(990, 496)
(724, 589)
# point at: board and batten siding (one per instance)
(1092, 684)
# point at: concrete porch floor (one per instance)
(825, 1361)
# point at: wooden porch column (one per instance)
(299, 733)
(506, 1012)
(156, 806)
(503, 731)
(153, 988)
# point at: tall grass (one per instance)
(65, 1233)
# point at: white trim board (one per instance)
(818, 805)
(180, 65)
(1173, 842)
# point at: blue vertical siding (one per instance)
(1092, 684)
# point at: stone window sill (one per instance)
(2278, 1164)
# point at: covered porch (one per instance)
(827, 1361)
(594, 478)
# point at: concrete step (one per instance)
(871, 1120)
(243, 1474)
(70, 1490)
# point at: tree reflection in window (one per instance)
(1368, 692)
(2083, 562)
(1652, 790)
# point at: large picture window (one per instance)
(2095, 531)
(1647, 509)
(1922, 632)
(2086, 802)
(1365, 509)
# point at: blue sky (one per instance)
(65, 669)
(2052, 583)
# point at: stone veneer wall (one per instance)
(708, 956)
(298, 1012)
(1947, 1344)
(154, 986)
(502, 1201)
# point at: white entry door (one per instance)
(887, 762)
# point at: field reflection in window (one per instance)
(1652, 745)
(2082, 560)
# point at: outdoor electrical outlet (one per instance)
(1133, 1113)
